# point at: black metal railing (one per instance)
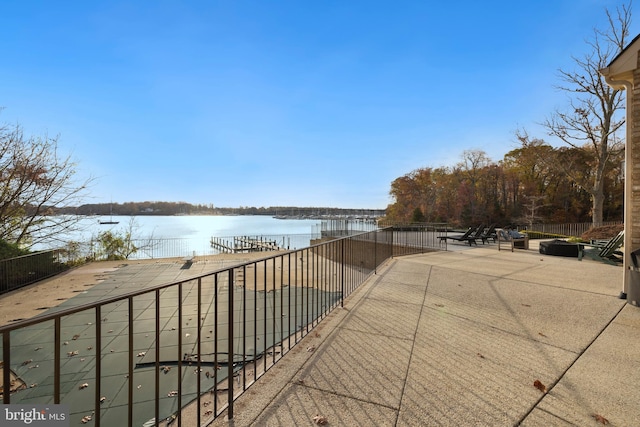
(564, 230)
(26, 269)
(150, 356)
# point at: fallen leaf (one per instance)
(311, 348)
(320, 420)
(75, 337)
(599, 418)
(537, 384)
(480, 356)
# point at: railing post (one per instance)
(375, 252)
(157, 356)
(57, 336)
(6, 367)
(98, 329)
(130, 365)
(393, 241)
(180, 354)
(230, 350)
(199, 348)
(342, 273)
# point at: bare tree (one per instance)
(532, 208)
(591, 120)
(34, 178)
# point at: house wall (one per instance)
(624, 73)
(632, 177)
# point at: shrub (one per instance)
(11, 250)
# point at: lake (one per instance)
(189, 233)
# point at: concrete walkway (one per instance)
(462, 338)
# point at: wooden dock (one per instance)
(243, 244)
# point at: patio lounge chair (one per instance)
(515, 239)
(469, 236)
(489, 233)
(476, 235)
(608, 252)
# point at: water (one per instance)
(183, 235)
(206, 226)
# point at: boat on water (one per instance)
(111, 221)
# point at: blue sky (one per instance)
(271, 103)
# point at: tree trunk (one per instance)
(597, 207)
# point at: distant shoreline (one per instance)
(173, 209)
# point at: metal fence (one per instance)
(565, 230)
(190, 347)
(24, 270)
(339, 227)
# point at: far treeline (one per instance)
(183, 208)
(530, 185)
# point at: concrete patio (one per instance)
(471, 336)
